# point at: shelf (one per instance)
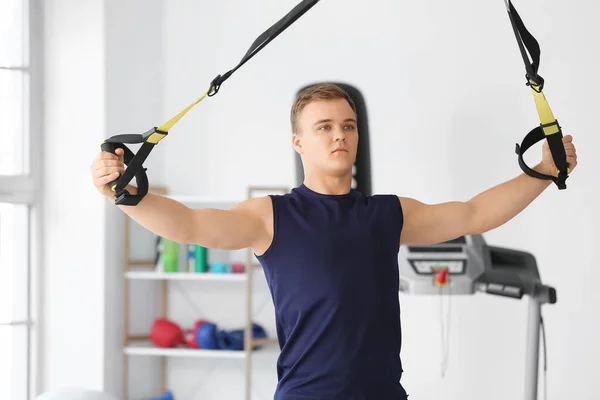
(145, 268)
(265, 342)
(186, 276)
(183, 352)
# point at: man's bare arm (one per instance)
(248, 224)
(240, 227)
(430, 224)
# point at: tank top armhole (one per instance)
(400, 218)
(400, 213)
(275, 227)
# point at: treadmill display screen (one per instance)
(429, 267)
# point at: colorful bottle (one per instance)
(170, 256)
(191, 258)
(201, 258)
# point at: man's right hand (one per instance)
(106, 168)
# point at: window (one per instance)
(13, 81)
(20, 167)
(14, 300)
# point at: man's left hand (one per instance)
(548, 162)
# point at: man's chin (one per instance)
(339, 169)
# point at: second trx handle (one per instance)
(549, 128)
(150, 138)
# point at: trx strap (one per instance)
(549, 128)
(150, 138)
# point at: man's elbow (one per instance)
(196, 229)
(478, 220)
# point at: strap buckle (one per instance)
(122, 197)
(215, 85)
(561, 179)
(535, 81)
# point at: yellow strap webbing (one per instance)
(162, 130)
(170, 123)
(549, 124)
(547, 118)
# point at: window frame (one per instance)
(27, 189)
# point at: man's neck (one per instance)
(335, 185)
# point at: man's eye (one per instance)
(349, 127)
(325, 127)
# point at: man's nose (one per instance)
(339, 134)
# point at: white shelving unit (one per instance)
(144, 270)
(153, 351)
(185, 276)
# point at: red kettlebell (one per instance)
(166, 333)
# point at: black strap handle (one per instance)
(134, 163)
(556, 148)
(529, 47)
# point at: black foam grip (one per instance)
(557, 149)
(108, 147)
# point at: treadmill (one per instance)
(467, 265)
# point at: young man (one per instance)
(330, 254)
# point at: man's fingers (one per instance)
(109, 178)
(105, 155)
(107, 164)
(104, 171)
(567, 139)
(110, 163)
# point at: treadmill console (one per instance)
(466, 265)
(449, 267)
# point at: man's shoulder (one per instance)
(390, 198)
(256, 206)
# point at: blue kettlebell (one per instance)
(167, 396)
(234, 340)
(231, 340)
(206, 336)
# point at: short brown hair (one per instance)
(321, 91)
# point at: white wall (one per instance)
(134, 104)
(73, 304)
(446, 102)
(103, 77)
(444, 85)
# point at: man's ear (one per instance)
(297, 143)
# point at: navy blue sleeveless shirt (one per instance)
(332, 269)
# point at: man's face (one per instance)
(327, 136)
